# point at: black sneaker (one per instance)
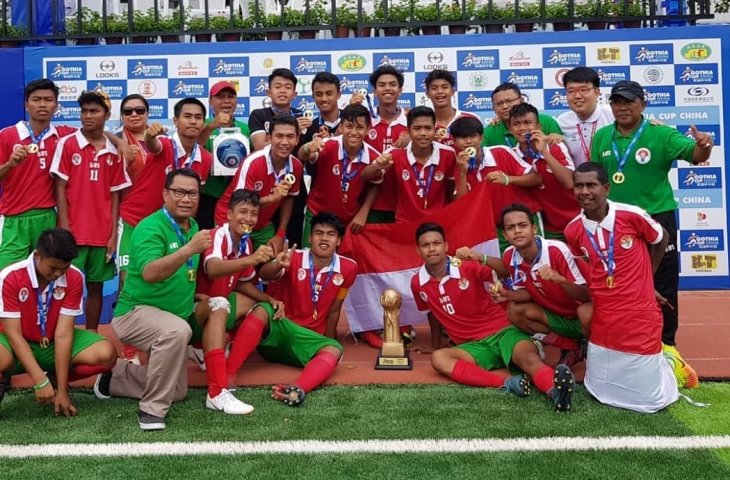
(4, 386)
(101, 386)
(563, 387)
(150, 422)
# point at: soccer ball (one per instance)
(231, 152)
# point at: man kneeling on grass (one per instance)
(455, 298)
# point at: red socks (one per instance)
(563, 343)
(215, 367)
(83, 370)
(319, 369)
(543, 379)
(469, 374)
(246, 339)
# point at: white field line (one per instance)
(310, 447)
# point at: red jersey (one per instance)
(627, 317)
(382, 136)
(223, 248)
(502, 158)
(28, 185)
(460, 302)
(420, 188)
(557, 203)
(448, 140)
(257, 173)
(19, 297)
(90, 177)
(145, 196)
(549, 295)
(339, 179)
(294, 288)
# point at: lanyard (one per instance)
(623, 158)
(316, 287)
(43, 309)
(242, 245)
(534, 154)
(181, 237)
(36, 139)
(518, 276)
(188, 161)
(586, 147)
(370, 105)
(290, 113)
(348, 173)
(279, 176)
(607, 259)
(424, 187)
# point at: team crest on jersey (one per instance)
(406, 175)
(109, 161)
(643, 156)
(23, 294)
(336, 169)
(338, 279)
(627, 242)
(258, 186)
(301, 274)
(373, 134)
(439, 175)
(463, 284)
(76, 159)
(423, 296)
(59, 293)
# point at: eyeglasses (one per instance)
(130, 110)
(572, 92)
(509, 101)
(180, 194)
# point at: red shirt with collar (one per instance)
(557, 203)
(382, 136)
(145, 196)
(18, 298)
(327, 193)
(90, 177)
(460, 301)
(448, 140)
(627, 317)
(295, 290)
(223, 248)
(257, 173)
(412, 199)
(28, 185)
(549, 295)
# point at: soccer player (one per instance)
(625, 366)
(326, 94)
(510, 177)
(156, 299)
(504, 97)
(440, 89)
(39, 299)
(89, 175)
(552, 162)
(586, 114)
(454, 296)
(225, 280)
(26, 150)
(341, 160)
(312, 283)
(276, 175)
(423, 173)
(638, 156)
(223, 102)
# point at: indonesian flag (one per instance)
(387, 256)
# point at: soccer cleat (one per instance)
(683, 372)
(149, 422)
(517, 384)
(372, 338)
(198, 356)
(225, 402)
(563, 388)
(101, 386)
(288, 394)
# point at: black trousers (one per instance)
(666, 278)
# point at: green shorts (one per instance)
(19, 233)
(381, 216)
(495, 351)
(292, 344)
(46, 357)
(124, 245)
(197, 329)
(503, 243)
(92, 261)
(262, 237)
(567, 327)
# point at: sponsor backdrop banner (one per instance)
(680, 68)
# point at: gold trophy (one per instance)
(393, 355)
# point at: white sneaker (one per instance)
(198, 356)
(225, 402)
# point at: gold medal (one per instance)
(290, 178)
(441, 132)
(245, 229)
(44, 342)
(363, 92)
(618, 177)
(456, 262)
(308, 114)
(610, 281)
(191, 275)
(471, 151)
(32, 148)
(344, 198)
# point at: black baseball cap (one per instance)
(627, 89)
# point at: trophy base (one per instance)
(384, 362)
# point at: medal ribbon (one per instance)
(44, 307)
(370, 106)
(316, 287)
(517, 276)
(427, 186)
(279, 176)
(534, 154)
(180, 236)
(188, 161)
(242, 245)
(586, 147)
(608, 258)
(345, 164)
(36, 139)
(623, 158)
